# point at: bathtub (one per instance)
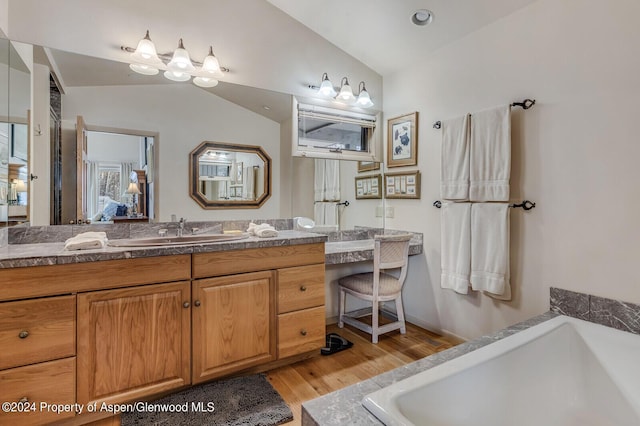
(563, 371)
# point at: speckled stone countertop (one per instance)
(23, 255)
(53, 253)
(344, 407)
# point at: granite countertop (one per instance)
(344, 406)
(23, 255)
(53, 253)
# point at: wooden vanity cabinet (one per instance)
(233, 324)
(37, 358)
(133, 342)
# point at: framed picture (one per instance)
(402, 140)
(402, 185)
(369, 187)
(367, 166)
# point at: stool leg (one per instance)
(343, 296)
(375, 311)
(400, 312)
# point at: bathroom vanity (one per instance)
(125, 324)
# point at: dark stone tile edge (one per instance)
(620, 315)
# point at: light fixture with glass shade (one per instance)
(326, 87)
(134, 191)
(177, 66)
(364, 100)
(346, 94)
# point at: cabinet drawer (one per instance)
(301, 331)
(50, 382)
(37, 330)
(301, 287)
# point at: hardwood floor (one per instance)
(320, 375)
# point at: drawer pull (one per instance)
(24, 400)
(196, 303)
(23, 334)
(303, 332)
(186, 304)
(303, 288)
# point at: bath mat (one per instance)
(335, 343)
(249, 400)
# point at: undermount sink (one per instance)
(174, 241)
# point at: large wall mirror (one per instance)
(224, 175)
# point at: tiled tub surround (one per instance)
(345, 406)
(612, 313)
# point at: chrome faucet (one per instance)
(180, 228)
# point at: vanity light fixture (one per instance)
(346, 94)
(364, 100)
(326, 87)
(326, 90)
(177, 66)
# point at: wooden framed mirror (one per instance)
(229, 176)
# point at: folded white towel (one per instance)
(490, 155)
(264, 230)
(87, 241)
(456, 246)
(490, 249)
(454, 159)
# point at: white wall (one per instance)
(40, 157)
(575, 154)
(113, 148)
(4, 17)
(184, 116)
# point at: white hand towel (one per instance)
(490, 249)
(325, 213)
(456, 246)
(454, 160)
(87, 241)
(264, 230)
(490, 155)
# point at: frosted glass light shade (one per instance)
(326, 87)
(346, 94)
(144, 69)
(205, 82)
(364, 100)
(177, 75)
(210, 67)
(146, 51)
(181, 62)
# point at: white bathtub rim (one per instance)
(383, 403)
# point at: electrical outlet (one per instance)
(389, 212)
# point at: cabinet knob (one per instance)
(24, 400)
(303, 332)
(23, 334)
(303, 288)
(186, 304)
(196, 303)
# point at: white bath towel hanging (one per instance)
(490, 155)
(490, 249)
(456, 246)
(454, 160)
(325, 213)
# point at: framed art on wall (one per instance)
(369, 187)
(402, 185)
(402, 140)
(366, 166)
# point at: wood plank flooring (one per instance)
(320, 375)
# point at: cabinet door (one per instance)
(133, 342)
(233, 324)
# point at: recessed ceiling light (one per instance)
(422, 17)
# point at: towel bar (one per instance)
(526, 104)
(526, 205)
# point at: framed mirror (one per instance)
(229, 176)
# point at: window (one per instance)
(109, 181)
